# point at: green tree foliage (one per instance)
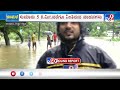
(34, 27)
(30, 27)
(104, 27)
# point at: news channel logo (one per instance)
(109, 17)
(22, 73)
(50, 60)
(75, 66)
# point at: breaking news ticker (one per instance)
(11, 17)
(55, 17)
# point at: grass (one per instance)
(115, 39)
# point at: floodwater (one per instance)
(18, 56)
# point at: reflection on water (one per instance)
(17, 57)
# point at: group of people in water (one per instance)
(50, 38)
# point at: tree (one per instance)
(6, 29)
(30, 27)
(93, 28)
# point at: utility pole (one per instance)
(113, 30)
(39, 32)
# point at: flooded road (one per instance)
(18, 56)
(110, 47)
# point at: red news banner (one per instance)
(64, 61)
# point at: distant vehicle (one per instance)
(48, 33)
